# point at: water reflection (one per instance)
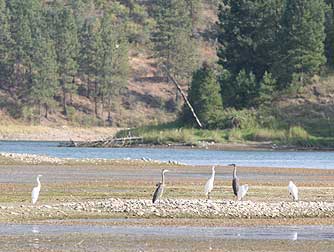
(294, 236)
(292, 233)
(35, 229)
(35, 242)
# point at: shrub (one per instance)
(298, 132)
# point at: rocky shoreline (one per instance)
(42, 159)
(174, 208)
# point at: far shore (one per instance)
(68, 134)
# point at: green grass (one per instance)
(174, 133)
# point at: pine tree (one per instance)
(174, 46)
(329, 30)
(204, 95)
(6, 44)
(114, 60)
(44, 75)
(247, 33)
(303, 37)
(89, 57)
(25, 18)
(67, 49)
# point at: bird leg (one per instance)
(208, 196)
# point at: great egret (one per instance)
(160, 187)
(235, 180)
(293, 191)
(35, 190)
(209, 184)
(242, 191)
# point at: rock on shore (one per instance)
(179, 208)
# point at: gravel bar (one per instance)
(170, 208)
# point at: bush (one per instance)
(232, 118)
(263, 134)
(298, 132)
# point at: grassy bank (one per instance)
(174, 133)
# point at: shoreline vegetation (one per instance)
(170, 135)
(173, 135)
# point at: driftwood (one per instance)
(109, 142)
(183, 95)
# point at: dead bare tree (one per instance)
(183, 95)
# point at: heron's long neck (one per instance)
(213, 174)
(163, 178)
(234, 172)
(38, 183)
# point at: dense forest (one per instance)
(53, 51)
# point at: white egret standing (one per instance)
(35, 190)
(160, 187)
(293, 191)
(242, 191)
(209, 184)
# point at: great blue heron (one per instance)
(209, 184)
(242, 191)
(235, 180)
(160, 187)
(35, 191)
(293, 191)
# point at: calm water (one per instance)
(315, 233)
(300, 159)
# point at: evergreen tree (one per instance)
(174, 46)
(247, 34)
(44, 75)
(67, 49)
(248, 37)
(303, 37)
(329, 30)
(204, 95)
(114, 60)
(89, 57)
(6, 44)
(25, 19)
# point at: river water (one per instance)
(288, 159)
(249, 233)
(79, 237)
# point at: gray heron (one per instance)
(235, 180)
(209, 184)
(160, 187)
(35, 190)
(293, 191)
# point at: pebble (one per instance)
(191, 207)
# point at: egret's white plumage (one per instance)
(35, 191)
(209, 184)
(293, 191)
(242, 191)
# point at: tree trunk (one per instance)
(95, 99)
(184, 96)
(64, 97)
(88, 88)
(46, 111)
(109, 113)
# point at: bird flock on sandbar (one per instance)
(239, 191)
